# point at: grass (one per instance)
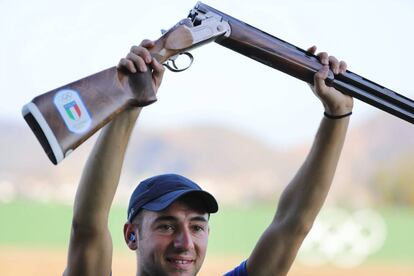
(25, 223)
(399, 244)
(234, 231)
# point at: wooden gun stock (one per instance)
(62, 119)
(283, 56)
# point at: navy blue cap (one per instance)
(159, 192)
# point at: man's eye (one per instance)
(198, 228)
(165, 227)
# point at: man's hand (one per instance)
(335, 102)
(137, 60)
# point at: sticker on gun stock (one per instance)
(72, 110)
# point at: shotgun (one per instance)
(65, 117)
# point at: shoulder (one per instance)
(240, 270)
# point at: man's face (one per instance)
(173, 241)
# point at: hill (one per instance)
(232, 165)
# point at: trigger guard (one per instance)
(174, 67)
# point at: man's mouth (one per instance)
(180, 261)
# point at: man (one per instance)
(168, 215)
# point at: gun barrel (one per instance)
(290, 59)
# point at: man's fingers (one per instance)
(324, 58)
(157, 67)
(319, 79)
(158, 71)
(138, 62)
(142, 52)
(127, 64)
(312, 50)
(342, 66)
(334, 64)
(147, 43)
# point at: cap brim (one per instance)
(166, 200)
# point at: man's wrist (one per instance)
(336, 117)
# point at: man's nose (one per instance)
(183, 240)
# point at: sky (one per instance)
(46, 44)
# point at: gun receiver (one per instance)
(283, 56)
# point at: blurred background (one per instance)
(237, 127)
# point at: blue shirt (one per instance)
(241, 270)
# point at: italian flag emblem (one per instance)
(73, 111)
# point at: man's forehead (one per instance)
(182, 206)
(180, 209)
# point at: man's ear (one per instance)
(131, 235)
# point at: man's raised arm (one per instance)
(90, 249)
(304, 196)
